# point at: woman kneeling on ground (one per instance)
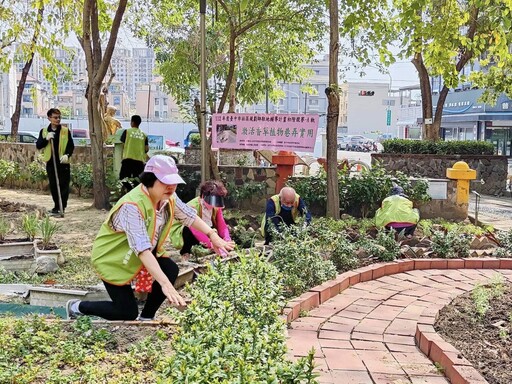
(129, 246)
(209, 206)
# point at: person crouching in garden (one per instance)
(396, 212)
(208, 205)
(130, 246)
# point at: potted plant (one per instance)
(13, 247)
(45, 246)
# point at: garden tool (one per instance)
(61, 209)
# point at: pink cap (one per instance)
(164, 169)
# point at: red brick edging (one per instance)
(456, 368)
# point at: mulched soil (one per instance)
(485, 341)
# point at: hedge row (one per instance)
(468, 147)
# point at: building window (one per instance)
(27, 98)
(117, 100)
(157, 101)
(157, 114)
(313, 101)
(164, 100)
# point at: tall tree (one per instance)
(95, 20)
(246, 40)
(47, 24)
(440, 38)
(333, 113)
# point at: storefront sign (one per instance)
(289, 132)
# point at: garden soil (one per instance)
(485, 341)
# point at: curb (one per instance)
(457, 369)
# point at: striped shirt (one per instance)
(128, 219)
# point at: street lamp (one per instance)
(298, 98)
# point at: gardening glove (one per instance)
(50, 136)
(64, 159)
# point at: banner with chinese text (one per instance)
(288, 132)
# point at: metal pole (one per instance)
(202, 130)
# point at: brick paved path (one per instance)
(366, 333)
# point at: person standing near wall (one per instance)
(135, 150)
(63, 148)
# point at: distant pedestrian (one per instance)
(63, 148)
(135, 150)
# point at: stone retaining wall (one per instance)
(493, 170)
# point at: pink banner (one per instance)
(288, 132)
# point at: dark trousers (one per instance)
(64, 173)
(124, 304)
(130, 169)
(189, 240)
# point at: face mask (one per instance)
(285, 208)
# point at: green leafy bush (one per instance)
(195, 140)
(48, 229)
(300, 258)
(451, 244)
(245, 191)
(468, 147)
(231, 332)
(9, 171)
(343, 255)
(4, 228)
(37, 171)
(81, 177)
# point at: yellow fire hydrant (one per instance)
(463, 174)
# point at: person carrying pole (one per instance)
(56, 144)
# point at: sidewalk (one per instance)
(366, 334)
(495, 211)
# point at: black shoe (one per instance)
(54, 211)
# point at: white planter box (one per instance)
(51, 296)
(20, 248)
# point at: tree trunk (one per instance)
(197, 110)
(15, 118)
(430, 131)
(333, 108)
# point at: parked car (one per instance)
(23, 136)
(355, 142)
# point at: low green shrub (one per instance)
(81, 177)
(4, 228)
(30, 225)
(451, 244)
(457, 147)
(37, 171)
(9, 171)
(300, 258)
(231, 332)
(343, 255)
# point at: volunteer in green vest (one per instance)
(283, 209)
(208, 205)
(396, 212)
(135, 150)
(129, 247)
(63, 148)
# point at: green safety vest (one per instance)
(63, 143)
(277, 203)
(176, 236)
(396, 209)
(135, 145)
(112, 257)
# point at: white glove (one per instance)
(50, 135)
(64, 159)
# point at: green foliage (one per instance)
(10, 277)
(313, 189)
(245, 191)
(300, 258)
(48, 229)
(4, 228)
(37, 171)
(457, 147)
(343, 255)
(482, 294)
(242, 237)
(505, 240)
(187, 191)
(81, 177)
(362, 194)
(384, 247)
(30, 225)
(450, 244)
(199, 252)
(9, 170)
(195, 140)
(231, 331)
